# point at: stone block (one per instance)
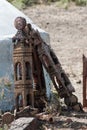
(25, 124)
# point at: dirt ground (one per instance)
(68, 38)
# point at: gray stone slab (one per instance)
(24, 124)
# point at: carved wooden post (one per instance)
(28, 71)
(22, 59)
(84, 81)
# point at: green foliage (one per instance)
(18, 3)
(52, 0)
(23, 3)
(29, 2)
(78, 2)
(81, 2)
(10, 1)
(64, 3)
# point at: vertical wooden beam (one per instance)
(84, 81)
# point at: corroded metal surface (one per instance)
(42, 54)
(20, 23)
